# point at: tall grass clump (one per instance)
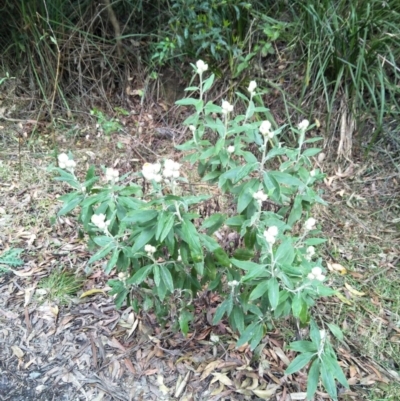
(350, 52)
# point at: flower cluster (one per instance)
(99, 220)
(260, 197)
(65, 162)
(310, 224)
(303, 125)
(252, 87)
(316, 274)
(201, 67)
(112, 175)
(226, 107)
(310, 253)
(150, 249)
(152, 172)
(271, 234)
(171, 169)
(265, 129)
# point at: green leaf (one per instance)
(246, 265)
(187, 102)
(315, 334)
(314, 241)
(102, 240)
(156, 275)
(225, 307)
(258, 272)
(247, 334)
(140, 275)
(330, 361)
(167, 278)
(143, 239)
(238, 318)
(257, 336)
(191, 237)
(213, 223)
(70, 205)
(328, 381)
(165, 223)
(285, 178)
(303, 346)
(113, 261)
(336, 331)
(311, 152)
(222, 258)
(140, 216)
(184, 318)
(285, 253)
(243, 254)
(273, 292)
(259, 290)
(299, 362)
(313, 379)
(102, 253)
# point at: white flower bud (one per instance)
(312, 173)
(112, 175)
(252, 87)
(201, 67)
(230, 149)
(192, 128)
(316, 271)
(273, 231)
(226, 107)
(303, 125)
(265, 128)
(310, 224)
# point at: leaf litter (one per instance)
(88, 350)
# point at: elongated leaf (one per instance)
(257, 336)
(184, 318)
(238, 318)
(167, 278)
(273, 292)
(113, 260)
(259, 290)
(245, 264)
(164, 225)
(313, 379)
(140, 275)
(102, 240)
(299, 362)
(303, 346)
(143, 239)
(336, 331)
(328, 381)
(140, 216)
(247, 334)
(156, 275)
(70, 206)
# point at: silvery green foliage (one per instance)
(165, 252)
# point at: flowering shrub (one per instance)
(164, 253)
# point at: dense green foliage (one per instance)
(82, 52)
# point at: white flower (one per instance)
(303, 125)
(230, 149)
(192, 128)
(150, 172)
(270, 234)
(149, 249)
(226, 107)
(316, 274)
(233, 283)
(252, 87)
(214, 338)
(171, 169)
(265, 129)
(99, 221)
(310, 253)
(62, 160)
(310, 224)
(65, 162)
(201, 67)
(312, 173)
(260, 196)
(112, 174)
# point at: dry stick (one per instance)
(115, 24)
(54, 40)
